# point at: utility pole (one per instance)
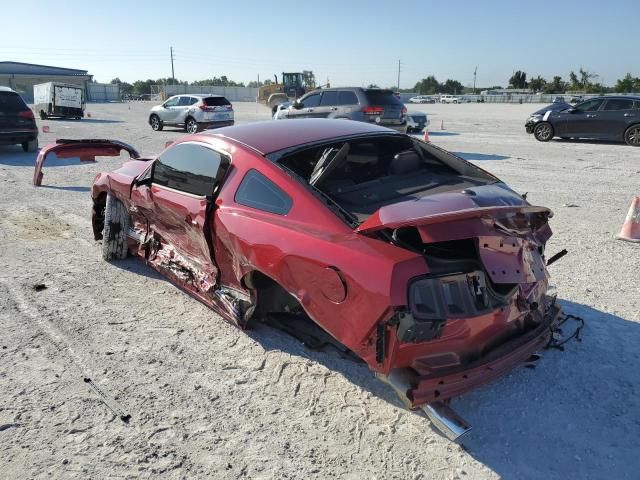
(399, 63)
(173, 77)
(474, 79)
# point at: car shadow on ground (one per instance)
(587, 141)
(68, 189)
(441, 133)
(480, 156)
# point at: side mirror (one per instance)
(297, 104)
(143, 181)
(572, 110)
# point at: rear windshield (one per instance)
(382, 97)
(216, 101)
(11, 103)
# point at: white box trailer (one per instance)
(55, 99)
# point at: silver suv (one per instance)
(372, 105)
(193, 112)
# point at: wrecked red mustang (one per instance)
(428, 268)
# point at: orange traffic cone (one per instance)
(426, 135)
(631, 226)
(441, 124)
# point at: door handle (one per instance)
(591, 116)
(334, 108)
(309, 109)
(629, 114)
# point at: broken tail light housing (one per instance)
(432, 300)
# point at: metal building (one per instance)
(21, 77)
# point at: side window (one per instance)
(258, 192)
(193, 101)
(589, 106)
(172, 102)
(618, 104)
(346, 97)
(312, 100)
(329, 99)
(184, 101)
(190, 168)
(636, 105)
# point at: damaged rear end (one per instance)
(482, 308)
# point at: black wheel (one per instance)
(30, 146)
(191, 126)
(543, 132)
(114, 235)
(156, 123)
(43, 116)
(632, 136)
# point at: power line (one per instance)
(173, 77)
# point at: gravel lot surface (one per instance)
(209, 401)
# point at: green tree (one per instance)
(518, 80)
(557, 85)
(627, 84)
(373, 85)
(427, 86)
(452, 87)
(537, 84)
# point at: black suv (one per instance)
(614, 118)
(17, 123)
(372, 105)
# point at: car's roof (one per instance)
(275, 135)
(201, 95)
(6, 89)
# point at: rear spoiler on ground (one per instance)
(86, 150)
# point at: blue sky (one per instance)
(349, 42)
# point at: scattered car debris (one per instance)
(108, 401)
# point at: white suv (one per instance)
(449, 99)
(193, 112)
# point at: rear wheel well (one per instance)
(269, 296)
(97, 215)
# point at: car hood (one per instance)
(487, 201)
(554, 107)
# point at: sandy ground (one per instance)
(209, 401)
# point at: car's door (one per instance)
(328, 105)
(177, 204)
(184, 105)
(582, 120)
(347, 103)
(169, 110)
(306, 107)
(615, 116)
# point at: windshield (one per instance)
(362, 175)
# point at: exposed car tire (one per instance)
(191, 126)
(632, 136)
(543, 132)
(30, 146)
(43, 116)
(114, 235)
(156, 123)
(455, 101)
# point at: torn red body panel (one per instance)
(85, 150)
(423, 265)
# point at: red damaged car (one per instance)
(428, 268)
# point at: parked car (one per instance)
(194, 112)
(422, 99)
(576, 99)
(428, 268)
(370, 105)
(602, 118)
(450, 99)
(17, 122)
(559, 99)
(416, 121)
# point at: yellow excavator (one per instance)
(291, 88)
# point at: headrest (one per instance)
(405, 162)
(363, 153)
